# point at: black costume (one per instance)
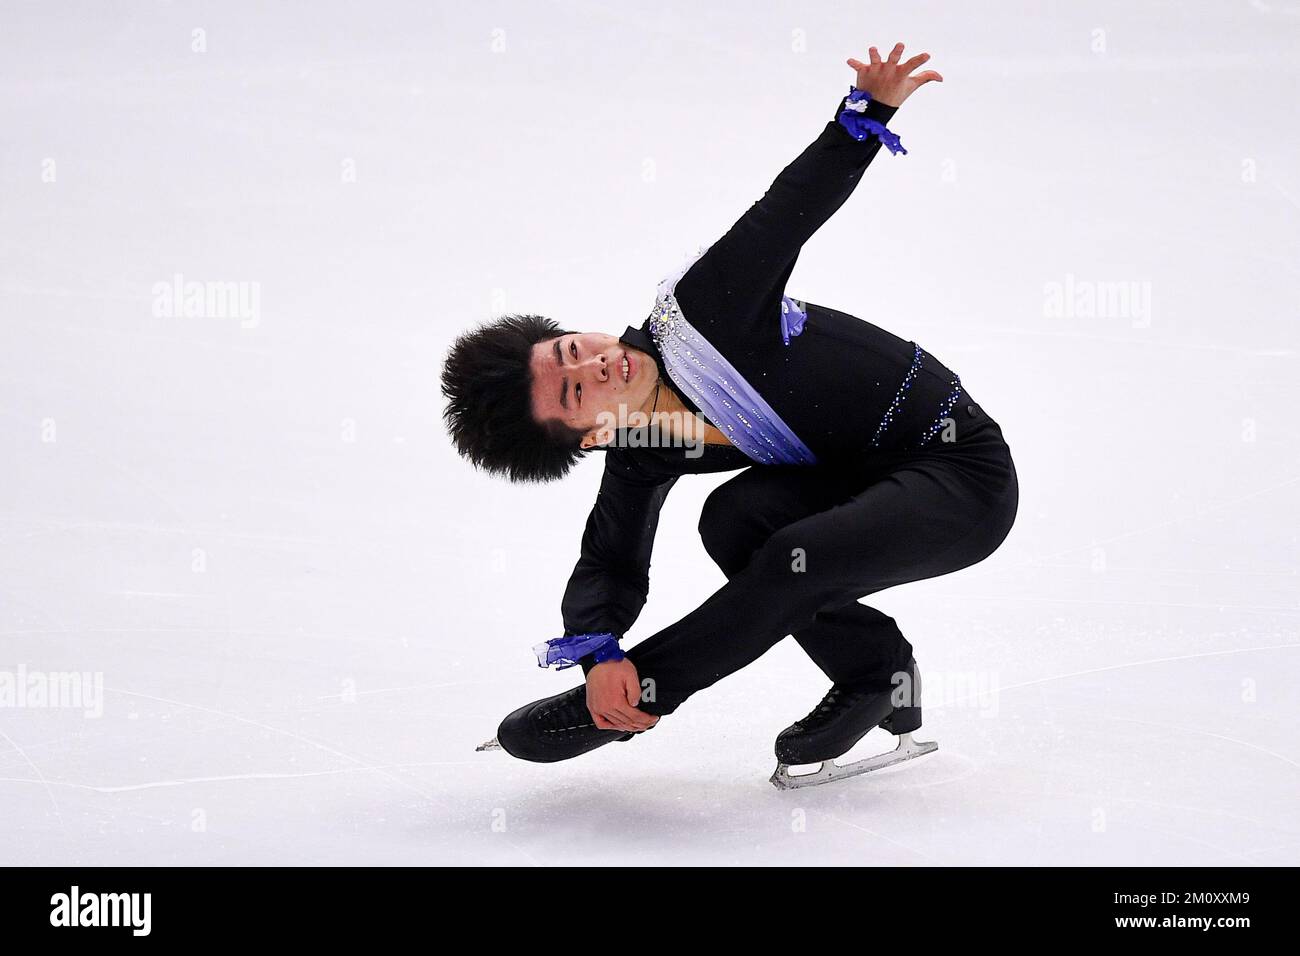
(912, 478)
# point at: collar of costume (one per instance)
(703, 374)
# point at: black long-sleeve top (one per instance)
(832, 384)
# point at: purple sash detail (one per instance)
(733, 406)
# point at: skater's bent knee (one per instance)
(725, 534)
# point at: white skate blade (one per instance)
(488, 745)
(830, 771)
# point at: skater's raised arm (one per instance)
(756, 255)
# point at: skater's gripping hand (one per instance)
(613, 692)
(889, 81)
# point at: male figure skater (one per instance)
(866, 464)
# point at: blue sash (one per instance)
(734, 407)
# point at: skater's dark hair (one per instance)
(487, 380)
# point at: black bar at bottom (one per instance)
(332, 906)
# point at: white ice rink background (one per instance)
(297, 611)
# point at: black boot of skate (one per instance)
(843, 718)
(554, 728)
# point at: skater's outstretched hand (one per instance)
(888, 82)
(613, 692)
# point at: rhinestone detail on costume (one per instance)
(944, 410)
(899, 397)
(714, 385)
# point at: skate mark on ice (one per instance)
(1188, 838)
(61, 525)
(397, 690)
(1272, 848)
(327, 748)
(365, 765)
(1163, 570)
(1115, 667)
(186, 781)
(1206, 733)
(1092, 602)
(1200, 513)
(45, 783)
(1244, 350)
(881, 836)
(1155, 804)
(62, 628)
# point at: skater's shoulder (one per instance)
(657, 465)
(636, 465)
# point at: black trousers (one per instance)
(801, 545)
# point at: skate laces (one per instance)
(568, 714)
(835, 698)
(829, 702)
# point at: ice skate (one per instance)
(842, 719)
(830, 771)
(552, 729)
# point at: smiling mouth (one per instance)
(627, 368)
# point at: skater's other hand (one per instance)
(888, 81)
(613, 692)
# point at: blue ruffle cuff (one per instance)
(861, 126)
(562, 652)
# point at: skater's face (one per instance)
(589, 380)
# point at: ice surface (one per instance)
(306, 611)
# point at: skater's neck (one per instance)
(681, 422)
